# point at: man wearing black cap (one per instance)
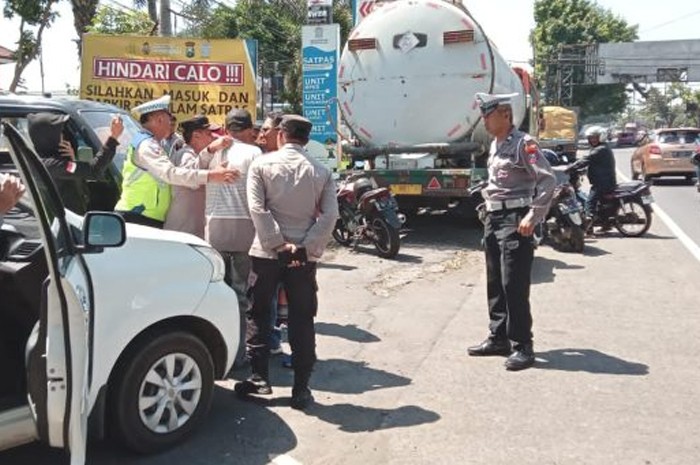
(292, 202)
(46, 130)
(239, 125)
(186, 212)
(229, 228)
(520, 188)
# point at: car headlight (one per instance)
(217, 263)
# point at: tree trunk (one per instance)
(83, 12)
(166, 28)
(29, 51)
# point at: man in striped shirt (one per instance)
(229, 228)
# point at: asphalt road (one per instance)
(674, 195)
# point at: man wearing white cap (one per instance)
(148, 172)
(520, 188)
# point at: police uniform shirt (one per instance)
(518, 170)
(186, 212)
(292, 199)
(151, 157)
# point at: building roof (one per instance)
(6, 55)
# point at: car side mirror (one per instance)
(103, 229)
(84, 153)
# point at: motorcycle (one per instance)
(627, 208)
(563, 224)
(368, 214)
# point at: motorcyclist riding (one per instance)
(601, 169)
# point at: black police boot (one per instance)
(491, 346)
(301, 394)
(523, 357)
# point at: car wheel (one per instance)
(163, 392)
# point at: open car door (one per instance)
(59, 350)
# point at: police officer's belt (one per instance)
(497, 205)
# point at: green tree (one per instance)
(671, 106)
(35, 16)
(110, 20)
(275, 24)
(560, 22)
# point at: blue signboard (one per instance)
(320, 58)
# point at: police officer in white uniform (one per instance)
(517, 197)
(148, 172)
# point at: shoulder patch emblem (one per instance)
(532, 151)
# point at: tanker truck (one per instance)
(406, 83)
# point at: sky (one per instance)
(678, 19)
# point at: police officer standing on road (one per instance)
(148, 172)
(293, 205)
(520, 188)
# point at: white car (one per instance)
(125, 324)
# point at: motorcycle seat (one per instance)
(379, 192)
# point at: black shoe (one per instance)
(253, 385)
(523, 357)
(490, 347)
(301, 398)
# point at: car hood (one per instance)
(137, 231)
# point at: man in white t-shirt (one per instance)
(229, 228)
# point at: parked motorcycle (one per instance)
(368, 214)
(627, 208)
(563, 225)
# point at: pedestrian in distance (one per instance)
(229, 227)
(293, 205)
(57, 152)
(517, 197)
(186, 212)
(148, 172)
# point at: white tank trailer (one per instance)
(408, 74)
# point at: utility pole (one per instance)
(166, 25)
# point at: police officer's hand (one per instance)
(116, 127)
(11, 190)
(527, 225)
(223, 174)
(220, 143)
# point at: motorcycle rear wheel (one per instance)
(633, 218)
(386, 238)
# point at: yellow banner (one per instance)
(206, 77)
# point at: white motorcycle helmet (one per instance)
(597, 131)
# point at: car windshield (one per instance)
(679, 137)
(100, 120)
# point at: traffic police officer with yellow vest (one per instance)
(148, 172)
(517, 197)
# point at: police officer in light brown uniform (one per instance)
(517, 197)
(293, 206)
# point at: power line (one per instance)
(675, 20)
